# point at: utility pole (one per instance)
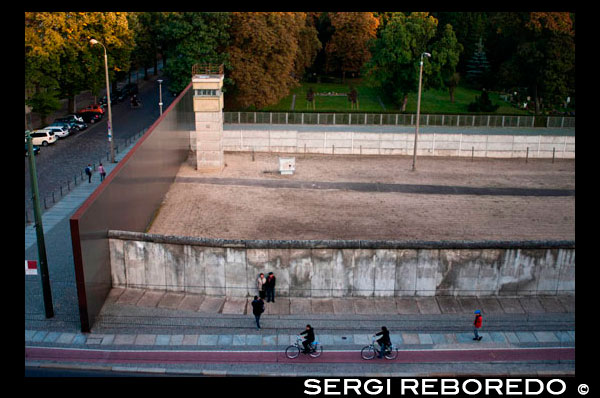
(414, 164)
(39, 231)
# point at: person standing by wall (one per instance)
(258, 307)
(270, 288)
(477, 325)
(260, 284)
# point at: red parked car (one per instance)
(92, 108)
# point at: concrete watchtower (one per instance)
(207, 81)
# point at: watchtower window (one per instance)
(206, 92)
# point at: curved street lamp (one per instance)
(414, 164)
(110, 140)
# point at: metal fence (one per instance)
(401, 119)
(48, 200)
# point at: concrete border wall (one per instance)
(378, 143)
(342, 268)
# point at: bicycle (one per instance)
(315, 349)
(369, 352)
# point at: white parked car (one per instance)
(59, 131)
(43, 137)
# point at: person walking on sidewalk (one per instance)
(88, 172)
(102, 172)
(310, 337)
(384, 341)
(260, 284)
(258, 307)
(477, 325)
(270, 288)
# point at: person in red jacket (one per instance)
(477, 325)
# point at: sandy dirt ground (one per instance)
(196, 208)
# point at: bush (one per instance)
(482, 104)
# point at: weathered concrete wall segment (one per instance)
(378, 143)
(343, 269)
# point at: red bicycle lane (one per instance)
(405, 356)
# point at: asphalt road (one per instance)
(62, 161)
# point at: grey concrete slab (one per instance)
(269, 340)
(279, 307)
(300, 305)
(469, 304)
(191, 302)
(531, 305)
(362, 339)
(526, 337)
(254, 339)
(176, 339)
(190, 339)
(93, 340)
(208, 339)
(145, 339)
(235, 305)
(411, 338)
(498, 337)
(51, 337)
(449, 305)
(428, 305)
(386, 306)
(406, 306)
(546, 337)
(124, 339)
(450, 338)
(425, 338)
(551, 304)
(345, 339)
(363, 306)
(114, 294)
(568, 303)
(511, 337)
(239, 339)
(211, 305)
(511, 305)
(65, 338)
(151, 298)
(162, 339)
(171, 300)
(130, 296)
(438, 338)
(108, 339)
(343, 306)
(322, 306)
(490, 305)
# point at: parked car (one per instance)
(36, 150)
(59, 131)
(90, 117)
(92, 108)
(75, 121)
(43, 137)
(70, 127)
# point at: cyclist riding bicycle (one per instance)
(310, 337)
(134, 100)
(384, 341)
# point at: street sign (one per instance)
(287, 165)
(30, 267)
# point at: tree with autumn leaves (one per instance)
(59, 60)
(268, 53)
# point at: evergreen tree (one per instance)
(477, 67)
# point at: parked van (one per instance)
(43, 137)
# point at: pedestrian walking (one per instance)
(260, 284)
(258, 307)
(88, 172)
(270, 287)
(477, 325)
(102, 172)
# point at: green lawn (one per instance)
(370, 100)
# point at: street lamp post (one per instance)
(160, 103)
(414, 164)
(110, 138)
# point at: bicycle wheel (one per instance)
(318, 350)
(292, 351)
(367, 352)
(391, 353)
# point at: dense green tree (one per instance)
(190, 38)
(396, 54)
